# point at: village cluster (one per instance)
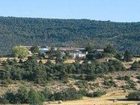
(74, 52)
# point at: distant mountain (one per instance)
(60, 32)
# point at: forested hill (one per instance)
(60, 32)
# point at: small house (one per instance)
(43, 50)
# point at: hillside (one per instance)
(36, 79)
(60, 32)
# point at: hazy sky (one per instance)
(114, 10)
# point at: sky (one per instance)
(113, 10)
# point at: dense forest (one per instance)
(61, 32)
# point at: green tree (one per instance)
(20, 51)
(127, 56)
(59, 57)
(110, 49)
(89, 47)
(135, 66)
(22, 95)
(40, 74)
(68, 94)
(119, 56)
(47, 93)
(97, 93)
(30, 66)
(35, 98)
(34, 49)
(10, 96)
(134, 96)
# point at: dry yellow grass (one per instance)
(70, 61)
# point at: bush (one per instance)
(134, 96)
(83, 92)
(35, 98)
(115, 65)
(69, 94)
(91, 77)
(109, 83)
(6, 82)
(98, 93)
(135, 66)
(3, 100)
(127, 78)
(47, 94)
(138, 77)
(22, 96)
(81, 84)
(10, 97)
(131, 84)
(126, 87)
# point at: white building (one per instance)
(43, 50)
(78, 54)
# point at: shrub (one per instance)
(98, 93)
(10, 97)
(20, 97)
(35, 98)
(131, 84)
(115, 65)
(3, 100)
(91, 77)
(138, 77)
(134, 96)
(109, 83)
(83, 92)
(6, 82)
(126, 87)
(135, 66)
(69, 94)
(81, 84)
(47, 94)
(127, 78)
